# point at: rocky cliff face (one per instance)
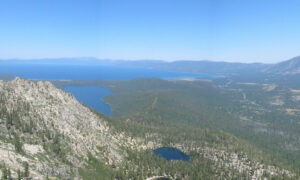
(55, 131)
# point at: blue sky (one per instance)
(222, 30)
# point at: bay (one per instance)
(91, 96)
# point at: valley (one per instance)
(230, 127)
(149, 90)
(172, 109)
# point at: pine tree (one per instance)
(19, 174)
(9, 174)
(18, 144)
(26, 169)
(4, 173)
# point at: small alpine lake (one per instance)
(169, 153)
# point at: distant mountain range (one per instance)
(210, 67)
(288, 67)
(291, 66)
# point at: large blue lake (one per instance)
(88, 72)
(91, 96)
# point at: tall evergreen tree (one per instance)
(26, 169)
(4, 172)
(18, 144)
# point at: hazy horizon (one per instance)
(229, 31)
(132, 60)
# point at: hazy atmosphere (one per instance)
(150, 89)
(232, 30)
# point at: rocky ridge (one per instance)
(47, 120)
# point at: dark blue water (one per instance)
(171, 154)
(92, 96)
(88, 72)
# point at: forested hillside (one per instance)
(204, 120)
(265, 115)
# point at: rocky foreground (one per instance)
(46, 132)
(55, 132)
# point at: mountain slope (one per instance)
(51, 130)
(291, 66)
